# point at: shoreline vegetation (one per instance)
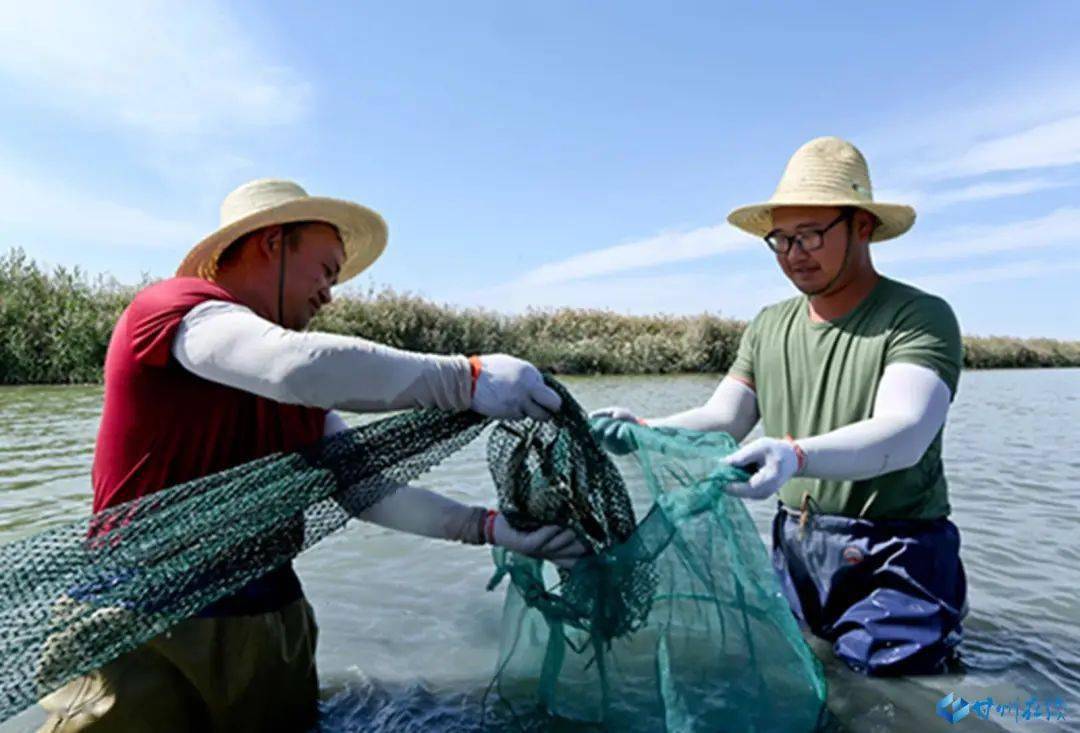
(55, 327)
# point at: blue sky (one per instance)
(546, 154)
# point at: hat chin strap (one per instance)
(281, 286)
(843, 267)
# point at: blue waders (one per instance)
(889, 594)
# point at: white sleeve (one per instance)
(418, 511)
(732, 409)
(422, 512)
(229, 344)
(333, 424)
(909, 411)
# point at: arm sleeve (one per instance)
(422, 512)
(334, 424)
(732, 409)
(419, 511)
(910, 408)
(926, 333)
(155, 314)
(229, 344)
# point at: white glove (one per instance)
(612, 433)
(557, 544)
(616, 413)
(775, 461)
(511, 389)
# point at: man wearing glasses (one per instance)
(852, 381)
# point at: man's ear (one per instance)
(268, 241)
(864, 225)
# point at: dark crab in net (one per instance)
(556, 473)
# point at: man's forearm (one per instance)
(422, 512)
(731, 409)
(865, 449)
(909, 411)
(229, 344)
(418, 511)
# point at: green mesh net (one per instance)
(675, 622)
(79, 595)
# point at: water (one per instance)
(407, 629)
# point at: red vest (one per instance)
(162, 425)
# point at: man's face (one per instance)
(811, 272)
(311, 268)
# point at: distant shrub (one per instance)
(996, 352)
(55, 327)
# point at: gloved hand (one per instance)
(557, 544)
(776, 461)
(616, 413)
(612, 432)
(511, 389)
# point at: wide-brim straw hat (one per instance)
(267, 202)
(826, 171)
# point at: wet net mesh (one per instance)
(675, 622)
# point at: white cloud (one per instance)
(944, 129)
(1051, 144)
(705, 242)
(184, 83)
(1025, 270)
(576, 282)
(993, 190)
(659, 250)
(736, 295)
(965, 140)
(50, 208)
(926, 201)
(1055, 229)
(157, 67)
(585, 280)
(1027, 124)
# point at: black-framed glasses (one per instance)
(808, 240)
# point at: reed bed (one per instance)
(55, 327)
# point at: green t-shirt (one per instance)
(812, 378)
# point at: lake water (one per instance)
(407, 629)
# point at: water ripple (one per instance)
(406, 609)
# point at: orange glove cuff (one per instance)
(475, 368)
(800, 454)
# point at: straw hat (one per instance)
(266, 202)
(826, 171)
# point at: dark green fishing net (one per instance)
(675, 622)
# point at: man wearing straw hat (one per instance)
(852, 381)
(211, 369)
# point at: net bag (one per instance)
(677, 623)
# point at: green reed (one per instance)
(55, 327)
